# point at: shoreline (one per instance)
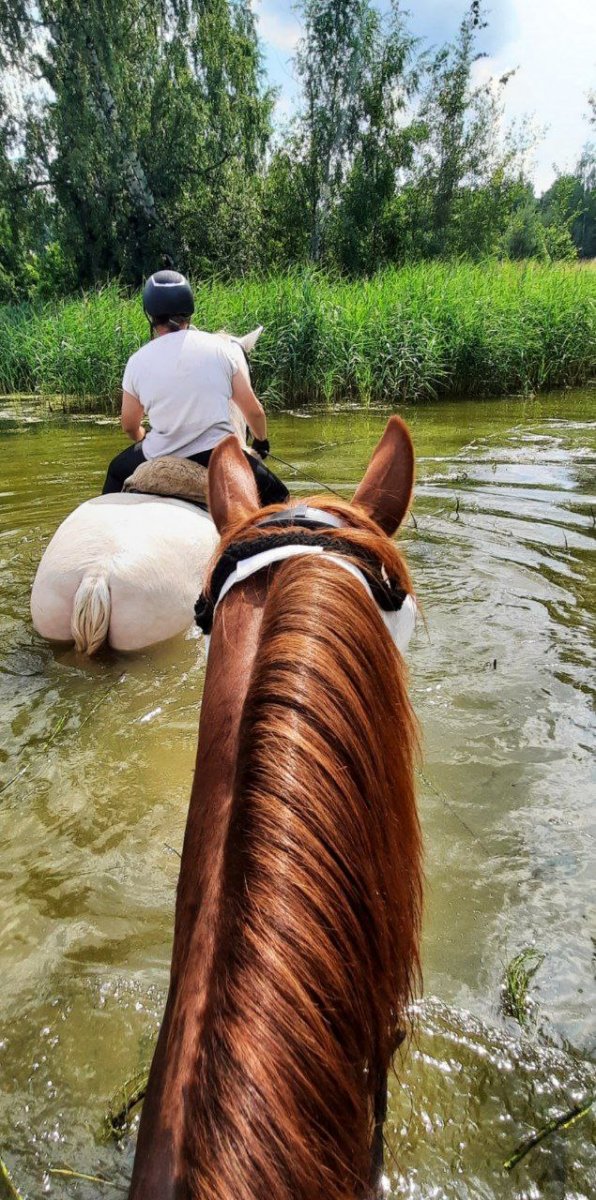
(428, 332)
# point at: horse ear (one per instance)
(386, 490)
(232, 488)
(249, 341)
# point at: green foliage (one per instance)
(23, 213)
(355, 70)
(426, 331)
(285, 225)
(143, 137)
(559, 244)
(570, 203)
(519, 972)
(462, 164)
(150, 128)
(524, 236)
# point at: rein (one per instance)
(295, 538)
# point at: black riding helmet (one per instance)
(167, 294)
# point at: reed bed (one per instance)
(420, 333)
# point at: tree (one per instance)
(353, 72)
(524, 237)
(284, 209)
(570, 204)
(462, 159)
(209, 128)
(25, 214)
(383, 149)
(144, 134)
(150, 112)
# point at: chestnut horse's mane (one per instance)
(317, 933)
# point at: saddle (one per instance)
(176, 478)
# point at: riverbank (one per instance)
(423, 332)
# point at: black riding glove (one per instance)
(261, 445)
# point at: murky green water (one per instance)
(97, 761)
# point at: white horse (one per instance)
(126, 568)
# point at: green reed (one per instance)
(415, 334)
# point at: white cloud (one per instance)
(277, 28)
(554, 48)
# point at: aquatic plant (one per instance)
(515, 1000)
(415, 334)
(8, 1187)
(123, 1102)
(557, 1123)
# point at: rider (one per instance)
(183, 380)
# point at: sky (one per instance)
(551, 43)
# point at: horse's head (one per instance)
(353, 535)
(298, 908)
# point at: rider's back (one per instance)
(184, 383)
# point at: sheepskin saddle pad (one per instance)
(175, 477)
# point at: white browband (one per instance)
(400, 624)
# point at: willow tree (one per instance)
(12, 223)
(142, 109)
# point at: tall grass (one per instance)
(414, 334)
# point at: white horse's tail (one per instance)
(91, 611)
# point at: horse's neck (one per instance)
(272, 1028)
(158, 1162)
(231, 656)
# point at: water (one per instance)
(98, 759)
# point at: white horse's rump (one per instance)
(127, 568)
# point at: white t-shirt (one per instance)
(184, 382)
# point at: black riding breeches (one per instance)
(122, 466)
(271, 489)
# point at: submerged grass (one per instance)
(419, 333)
(8, 1186)
(123, 1102)
(515, 996)
(558, 1123)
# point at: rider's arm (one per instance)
(252, 410)
(131, 416)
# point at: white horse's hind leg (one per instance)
(91, 610)
(144, 613)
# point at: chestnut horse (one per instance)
(298, 908)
